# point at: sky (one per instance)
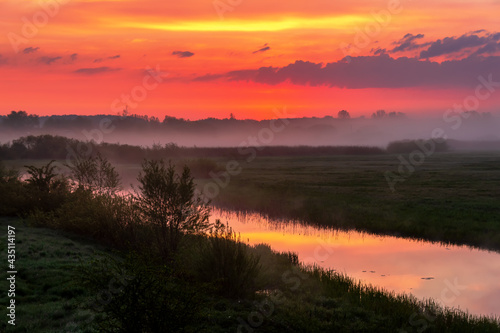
(209, 58)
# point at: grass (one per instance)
(343, 192)
(47, 299)
(292, 298)
(452, 197)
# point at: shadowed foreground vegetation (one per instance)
(171, 271)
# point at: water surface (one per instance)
(454, 276)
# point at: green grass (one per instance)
(291, 298)
(452, 197)
(47, 298)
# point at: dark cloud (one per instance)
(74, 56)
(30, 50)
(378, 51)
(409, 43)
(205, 78)
(380, 71)
(107, 58)
(48, 60)
(451, 45)
(96, 70)
(491, 47)
(3, 60)
(183, 54)
(263, 49)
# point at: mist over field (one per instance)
(378, 130)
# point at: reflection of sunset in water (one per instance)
(455, 276)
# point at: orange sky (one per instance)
(81, 56)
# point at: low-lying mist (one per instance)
(326, 131)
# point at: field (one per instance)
(451, 197)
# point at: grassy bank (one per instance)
(47, 297)
(452, 197)
(50, 297)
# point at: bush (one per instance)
(226, 262)
(46, 190)
(12, 192)
(138, 295)
(109, 218)
(167, 202)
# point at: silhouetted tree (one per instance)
(394, 114)
(167, 202)
(20, 119)
(46, 189)
(379, 114)
(95, 174)
(343, 114)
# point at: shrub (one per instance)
(168, 203)
(46, 190)
(226, 262)
(138, 295)
(95, 174)
(12, 192)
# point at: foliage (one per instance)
(109, 218)
(226, 262)
(62, 148)
(168, 203)
(18, 119)
(95, 174)
(45, 189)
(12, 193)
(137, 295)
(343, 114)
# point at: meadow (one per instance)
(452, 197)
(72, 241)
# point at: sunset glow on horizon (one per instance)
(217, 57)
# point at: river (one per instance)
(454, 276)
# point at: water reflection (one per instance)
(455, 276)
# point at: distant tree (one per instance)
(21, 119)
(343, 114)
(168, 203)
(231, 116)
(394, 114)
(379, 114)
(171, 120)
